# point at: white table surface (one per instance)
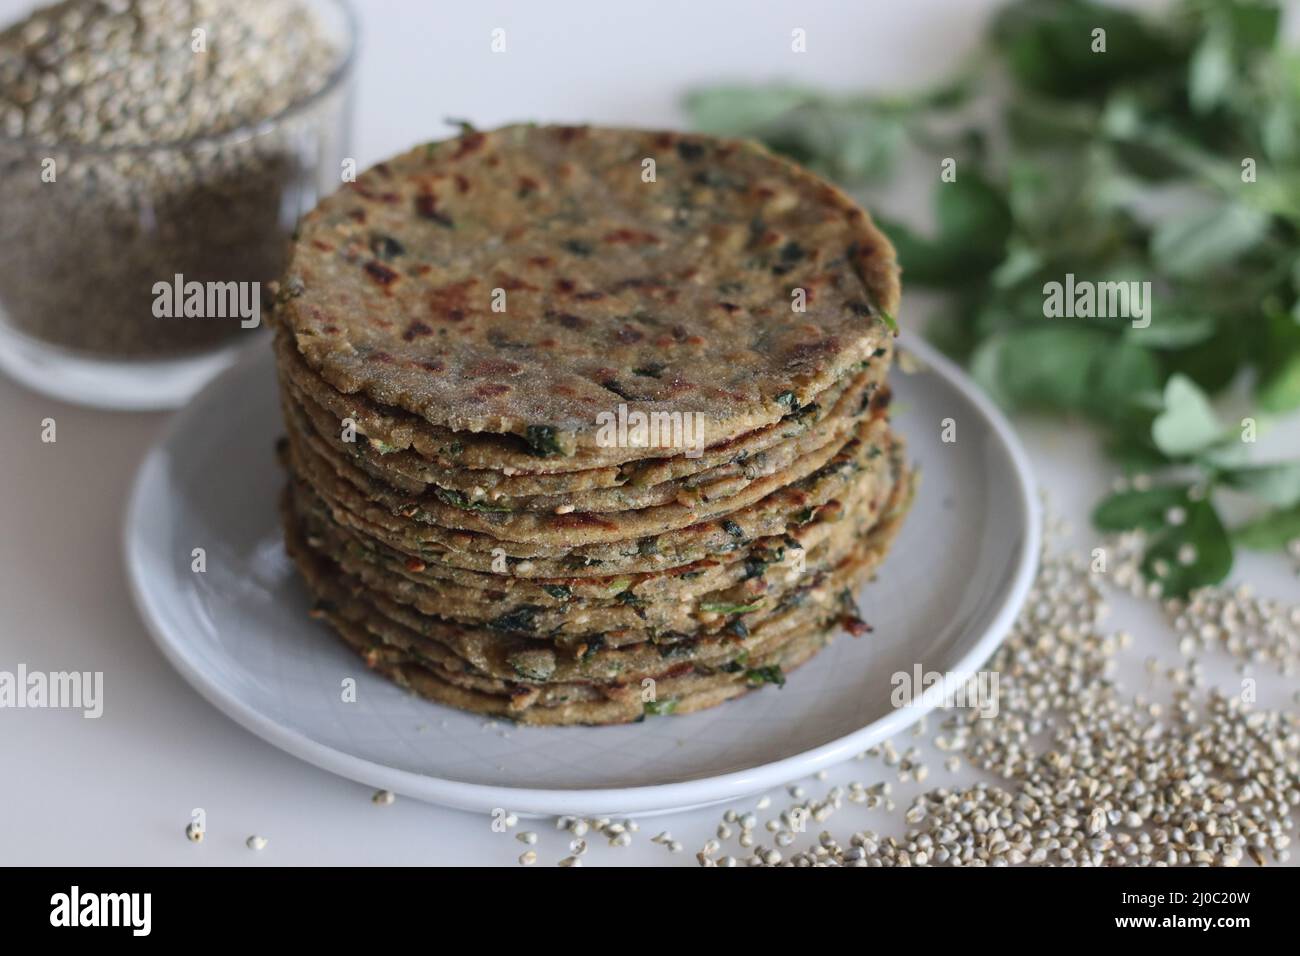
(119, 790)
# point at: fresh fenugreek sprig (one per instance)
(1129, 150)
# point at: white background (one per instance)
(119, 790)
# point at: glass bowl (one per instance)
(140, 272)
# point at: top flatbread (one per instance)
(671, 295)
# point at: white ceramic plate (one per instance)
(239, 632)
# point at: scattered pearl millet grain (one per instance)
(1088, 776)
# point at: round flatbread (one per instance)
(528, 281)
(867, 457)
(480, 671)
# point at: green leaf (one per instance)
(1048, 46)
(950, 329)
(865, 150)
(1135, 454)
(852, 139)
(660, 708)
(1279, 388)
(545, 441)
(1019, 265)
(850, 147)
(1279, 132)
(1189, 244)
(740, 110)
(458, 499)
(1252, 25)
(1123, 377)
(1212, 73)
(1211, 364)
(1228, 456)
(1064, 368)
(1277, 484)
(1041, 123)
(971, 210)
(1200, 538)
(1188, 423)
(1271, 531)
(924, 261)
(770, 674)
(1178, 330)
(974, 224)
(1145, 510)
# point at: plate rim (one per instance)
(644, 799)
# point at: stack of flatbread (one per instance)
(587, 424)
